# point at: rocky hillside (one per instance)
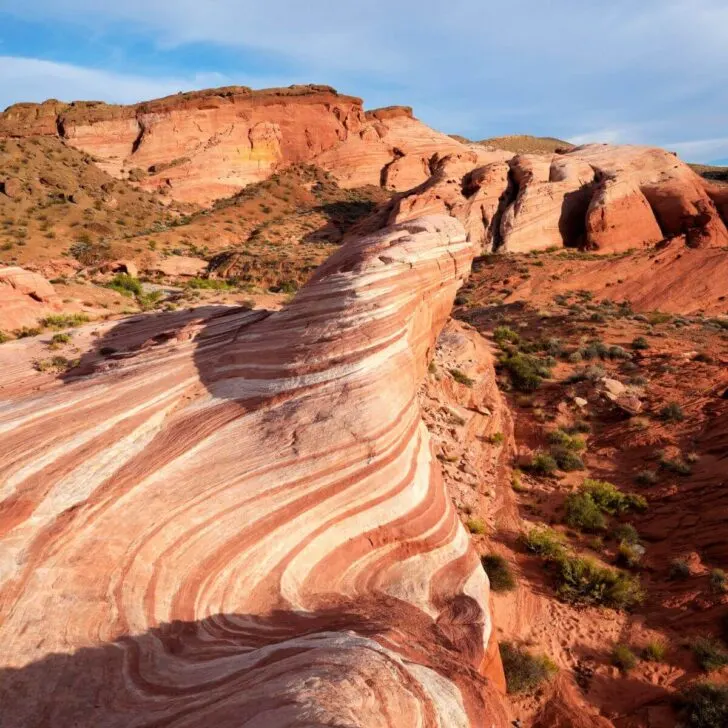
(201, 146)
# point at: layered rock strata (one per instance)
(242, 522)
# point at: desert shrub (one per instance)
(629, 554)
(125, 284)
(654, 650)
(566, 460)
(610, 499)
(497, 438)
(26, 331)
(499, 573)
(516, 482)
(526, 371)
(524, 672)
(544, 542)
(672, 412)
(89, 253)
(4, 337)
(675, 465)
(710, 653)
(583, 580)
(575, 357)
(679, 569)
(476, 526)
(56, 364)
(704, 705)
(64, 320)
(542, 464)
(646, 477)
(592, 373)
(504, 335)
(659, 318)
(583, 513)
(563, 439)
(623, 657)
(213, 284)
(718, 581)
(461, 378)
(617, 352)
(149, 300)
(626, 533)
(640, 343)
(579, 427)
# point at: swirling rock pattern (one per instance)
(245, 525)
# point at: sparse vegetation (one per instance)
(640, 343)
(710, 653)
(583, 513)
(526, 371)
(679, 569)
(542, 464)
(125, 284)
(623, 657)
(64, 320)
(718, 581)
(524, 671)
(672, 412)
(476, 526)
(461, 378)
(704, 705)
(499, 573)
(654, 650)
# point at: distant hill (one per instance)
(711, 172)
(522, 143)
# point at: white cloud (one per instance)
(701, 150)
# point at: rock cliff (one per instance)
(317, 575)
(201, 146)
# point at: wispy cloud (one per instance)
(647, 72)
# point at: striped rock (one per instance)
(242, 523)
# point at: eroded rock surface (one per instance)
(600, 197)
(243, 521)
(200, 146)
(24, 297)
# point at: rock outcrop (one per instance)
(597, 197)
(243, 521)
(204, 145)
(24, 298)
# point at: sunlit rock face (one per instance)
(241, 522)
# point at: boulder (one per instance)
(24, 298)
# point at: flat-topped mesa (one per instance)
(598, 197)
(203, 145)
(247, 523)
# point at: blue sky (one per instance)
(651, 72)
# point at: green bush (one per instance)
(497, 438)
(710, 653)
(461, 378)
(476, 526)
(623, 658)
(629, 554)
(125, 284)
(213, 284)
(563, 439)
(504, 335)
(524, 672)
(646, 477)
(499, 573)
(654, 650)
(610, 499)
(542, 464)
(26, 331)
(3, 337)
(718, 581)
(626, 532)
(526, 371)
(704, 705)
(544, 542)
(583, 513)
(640, 343)
(675, 465)
(64, 320)
(679, 569)
(567, 460)
(672, 412)
(584, 581)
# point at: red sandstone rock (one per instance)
(12, 188)
(24, 298)
(249, 523)
(179, 265)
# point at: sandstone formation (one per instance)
(24, 298)
(204, 145)
(598, 197)
(242, 522)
